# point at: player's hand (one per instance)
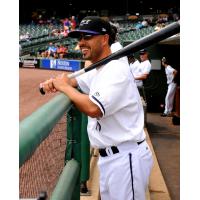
(48, 86)
(61, 82)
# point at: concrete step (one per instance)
(93, 183)
(157, 187)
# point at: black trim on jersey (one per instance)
(130, 161)
(98, 126)
(99, 103)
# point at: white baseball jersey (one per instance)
(136, 71)
(116, 47)
(169, 73)
(144, 68)
(113, 90)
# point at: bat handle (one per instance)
(41, 90)
(70, 76)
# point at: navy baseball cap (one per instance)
(92, 25)
(143, 51)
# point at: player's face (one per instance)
(143, 57)
(91, 47)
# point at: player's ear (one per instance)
(105, 39)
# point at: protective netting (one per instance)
(42, 170)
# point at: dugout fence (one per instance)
(54, 151)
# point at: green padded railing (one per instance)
(36, 127)
(67, 182)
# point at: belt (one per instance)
(113, 149)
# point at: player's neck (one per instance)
(105, 53)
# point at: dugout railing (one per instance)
(35, 128)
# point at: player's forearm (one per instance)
(141, 77)
(175, 73)
(82, 102)
(73, 81)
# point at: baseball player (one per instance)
(115, 46)
(135, 68)
(115, 114)
(145, 66)
(141, 71)
(169, 98)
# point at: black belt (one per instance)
(114, 150)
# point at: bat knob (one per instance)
(42, 91)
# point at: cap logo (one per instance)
(103, 29)
(85, 21)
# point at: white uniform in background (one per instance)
(145, 68)
(116, 47)
(125, 157)
(136, 71)
(169, 99)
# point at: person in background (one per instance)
(73, 23)
(135, 66)
(171, 90)
(66, 25)
(52, 50)
(141, 73)
(116, 45)
(62, 51)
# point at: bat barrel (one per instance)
(146, 41)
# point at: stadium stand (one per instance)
(35, 38)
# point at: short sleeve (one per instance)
(107, 94)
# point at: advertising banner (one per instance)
(61, 64)
(30, 63)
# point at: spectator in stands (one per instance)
(144, 23)
(52, 50)
(159, 26)
(64, 33)
(138, 25)
(162, 19)
(62, 51)
(169, 99)
(66, 24)
(73, 23)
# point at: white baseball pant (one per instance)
(169, 99)
(125, 175)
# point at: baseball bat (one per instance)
(133, 47)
